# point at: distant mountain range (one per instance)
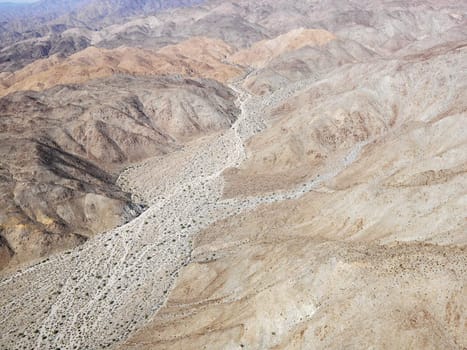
(29, 20)
(50, 9)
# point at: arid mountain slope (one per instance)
(264, 51)
(373, 253)
(197, 57)
(355, 104)
(298, 293)
(308, 63)
(61, 150)
(380, 26)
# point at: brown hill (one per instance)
(62, 149)
(264, 51)
(196, 57)
(309, 62)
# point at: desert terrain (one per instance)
(233, 175)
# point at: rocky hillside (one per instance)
(196, 57)
(62, 150)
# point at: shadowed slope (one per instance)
(61, 150)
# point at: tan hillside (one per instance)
(367, 247)
(206, 57)
(197, 57)
(298, 293)
(262, 52)
(320, 124)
